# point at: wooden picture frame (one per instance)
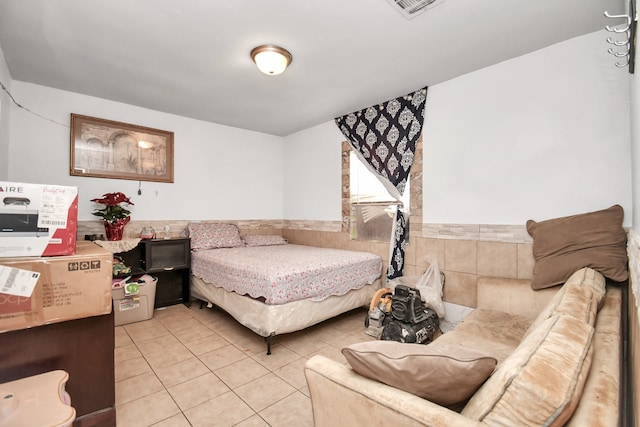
(107, 149)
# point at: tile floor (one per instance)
(199, 367)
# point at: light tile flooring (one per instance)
(200, 367)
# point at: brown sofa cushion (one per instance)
(563, 245)
(541, 383)
(442, 374)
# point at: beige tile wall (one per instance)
(462, 260)
(177, 228)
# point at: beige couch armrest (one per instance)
(513, 296)
(340, 397)
(599, 403)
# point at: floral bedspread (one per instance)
(286, 273)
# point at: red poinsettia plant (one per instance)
(112, 212)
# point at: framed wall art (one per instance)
(106, 149)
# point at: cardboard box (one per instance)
(37, 220)
(69, 287)
(134, 308)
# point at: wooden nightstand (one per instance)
(170, 261)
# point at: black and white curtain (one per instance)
(384, 137)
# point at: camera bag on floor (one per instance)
(410, 321)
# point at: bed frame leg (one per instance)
(209, 305)
(268, 340)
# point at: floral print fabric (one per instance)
(384, 136)
(213, 235)
(286, 273)
(259, 240)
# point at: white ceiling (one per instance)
(191, 57)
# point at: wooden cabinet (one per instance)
(84, 348)
(170, 261)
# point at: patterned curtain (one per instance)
(384, 137)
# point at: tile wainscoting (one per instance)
(177, 227)
(464, 252)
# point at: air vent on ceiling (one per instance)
(412, 8)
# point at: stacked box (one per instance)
(68, 287)
(37, 220)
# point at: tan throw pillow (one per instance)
(446, 375)
(540, 384)
(563, 245)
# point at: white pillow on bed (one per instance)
(211, 235)
(263, 240)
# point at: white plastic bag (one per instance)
(430, 287)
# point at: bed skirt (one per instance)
(269, 320)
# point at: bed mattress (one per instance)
(284, 273)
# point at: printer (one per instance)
(18, 218)
(37, 219)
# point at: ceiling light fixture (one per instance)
(271, 59)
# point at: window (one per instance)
(372, 207)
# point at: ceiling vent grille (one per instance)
(412, 8)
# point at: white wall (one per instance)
(5, 78)
(313, 174)
(220, 172)
(634, 234)
(538, 136)
(635, 143)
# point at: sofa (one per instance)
(523, 357)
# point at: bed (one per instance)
(273, 287)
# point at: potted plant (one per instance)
(113, 214)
